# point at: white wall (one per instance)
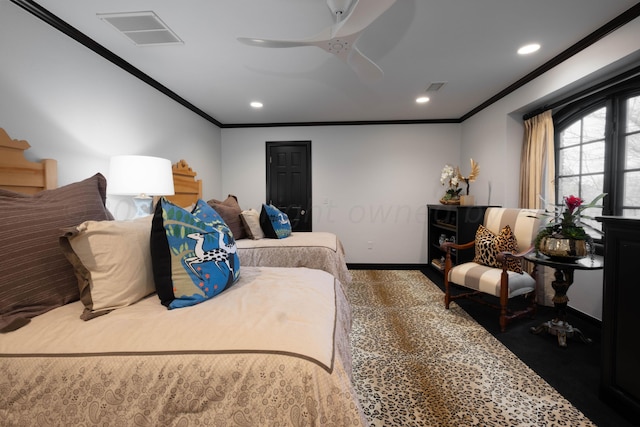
(74, 106)
(499, 129)
(369, 183)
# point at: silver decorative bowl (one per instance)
(563, 249)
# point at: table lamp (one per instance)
(141, 177)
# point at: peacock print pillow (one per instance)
(274, 222)
(193, 254)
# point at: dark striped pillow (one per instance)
(35, 276)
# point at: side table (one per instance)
(563, 280)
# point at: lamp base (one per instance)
(144, 204)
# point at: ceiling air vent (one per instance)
(143, 28)
(435, 86)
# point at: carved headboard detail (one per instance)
(187, 188)
(20, 175)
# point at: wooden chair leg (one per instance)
(447, 267)
(447, 294)
(447, 297)
(504, 299)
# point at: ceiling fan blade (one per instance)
(362, 14)
(273, 43)
(365, 68)
(316, 40)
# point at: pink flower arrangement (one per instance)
(572, 203)
(566, 219)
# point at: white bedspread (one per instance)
(318, 249)
(251, 316)
(273, 349)
(296, 239)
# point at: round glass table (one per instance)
(563, 280)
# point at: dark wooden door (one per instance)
(289, 181)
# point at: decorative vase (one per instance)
(467, 201)
(562, 248)
(452, 201)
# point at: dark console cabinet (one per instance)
(620, 383)
(452, 222)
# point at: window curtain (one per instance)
(537, 179)
(537, 163)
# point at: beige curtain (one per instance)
(537, 163)
(537, 175)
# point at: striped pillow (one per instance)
(36, 276)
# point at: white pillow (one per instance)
(251, 221)
(112, 262)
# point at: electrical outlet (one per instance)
(369, 244)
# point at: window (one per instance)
(598, 151)
(631, 169)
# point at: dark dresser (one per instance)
(452, 222)
(620, 382)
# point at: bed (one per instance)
(317, 249)
(271, 349)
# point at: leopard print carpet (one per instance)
(417, 364)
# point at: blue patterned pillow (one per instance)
(193, 253)
(274, 222)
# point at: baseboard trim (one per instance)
(356, 266)
(584, 316)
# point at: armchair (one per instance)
(501, 242)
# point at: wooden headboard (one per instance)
(187, 188)
(20, 175)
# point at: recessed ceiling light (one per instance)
(256, 104)
(422, 99)
(527, 49)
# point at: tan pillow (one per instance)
(506, 242)
(36, 277)
(251, 221)
(112, 262)
(488, 245)
(229, 210)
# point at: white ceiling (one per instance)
(470, 44)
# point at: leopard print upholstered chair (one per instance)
(501, 242)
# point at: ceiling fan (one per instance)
(352, 18)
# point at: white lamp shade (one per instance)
(140, 175)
